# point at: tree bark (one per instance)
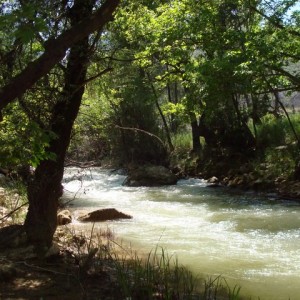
(166, 127)
(195, 134)
(55, 50)
(45, 189)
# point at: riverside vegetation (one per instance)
(271, 170)
(104, 268)
(205, 88)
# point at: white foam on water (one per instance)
(251, 240)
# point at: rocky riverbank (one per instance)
(245, 176)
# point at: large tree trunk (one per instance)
(45, 190)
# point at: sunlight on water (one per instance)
(251, 240)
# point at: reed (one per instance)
(160, 276)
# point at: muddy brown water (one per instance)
(252, 240)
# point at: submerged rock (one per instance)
(150, 176)
(103, 215)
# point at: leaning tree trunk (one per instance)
(45, 189)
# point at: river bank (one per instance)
(229, 229)
(240, 172)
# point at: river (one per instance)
(250, 239)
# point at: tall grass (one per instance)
(277, 131)
(277, 144)
(154, 276)
(182, 141)
(159, 276)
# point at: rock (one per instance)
(104, 215)
(150, 176)
(118, 172)
(225, 181)
(64, 217)
(213, 180)
(290, 190)
(236, 181)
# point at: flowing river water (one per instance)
(250, 239)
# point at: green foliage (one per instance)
(28, 23)
(22, 141)
(176, 110)
(136, 119)
(118, 118)
(90, 138)
(277, 146)
(183, 142)
(277, 131)
(280, 162)
(227, 58)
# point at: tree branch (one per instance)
(55, 50)
(98, 75)
(142, 131)
(274, 22)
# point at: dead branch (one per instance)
(142, 131)
(13, 211)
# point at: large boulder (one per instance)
(150, 176)
(103, 215)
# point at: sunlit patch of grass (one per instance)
(182, 142)
(278, 131)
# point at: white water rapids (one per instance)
(251, 240)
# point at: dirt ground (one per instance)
(54, 278)
(70, 273)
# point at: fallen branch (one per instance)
(13, 211)
(142, 131)
(81, 165)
